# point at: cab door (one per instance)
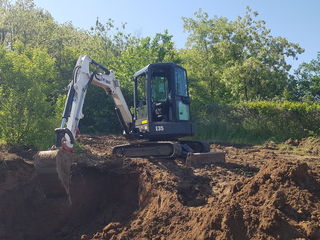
(160, 107)
(181, 95)
(141, 106)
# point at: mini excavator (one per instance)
(160, 116)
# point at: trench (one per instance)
(100, 194)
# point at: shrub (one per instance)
(26, 110)
(259, 121)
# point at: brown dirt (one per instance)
(259, 193)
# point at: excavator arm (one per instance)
(77, 89)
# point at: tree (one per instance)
(143, 51)
(306, 84)
(236, 60)
(26, 111)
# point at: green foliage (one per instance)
(142, 52)
(256, 122)
(100, 116)
(228, 62)
(306, 85)
(232, 61)
(25, 108)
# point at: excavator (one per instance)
(159, 118)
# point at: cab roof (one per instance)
(148, 67)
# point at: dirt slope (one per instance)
(260, 193)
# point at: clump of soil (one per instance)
(259, 193)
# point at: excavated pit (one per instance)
(101, 191)
(259, 193)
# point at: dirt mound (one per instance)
(280, 202)
(259, 193)
(310, 145)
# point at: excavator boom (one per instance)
(77, 90)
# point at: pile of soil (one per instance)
(311, 145)
(259, 193)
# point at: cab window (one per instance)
(141, 90)
(142, 110)
(159, 85)
(181, 82)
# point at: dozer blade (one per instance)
(53, 171)
(198, 159)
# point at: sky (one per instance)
(296, 20)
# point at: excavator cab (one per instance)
(161, 102)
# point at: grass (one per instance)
(231, 134)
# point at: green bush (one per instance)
(256, 122)
(26, 109)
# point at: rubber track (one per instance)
(149, 149)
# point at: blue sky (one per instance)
(296, 20)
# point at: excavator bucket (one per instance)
(53, 171)
(199, 159)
